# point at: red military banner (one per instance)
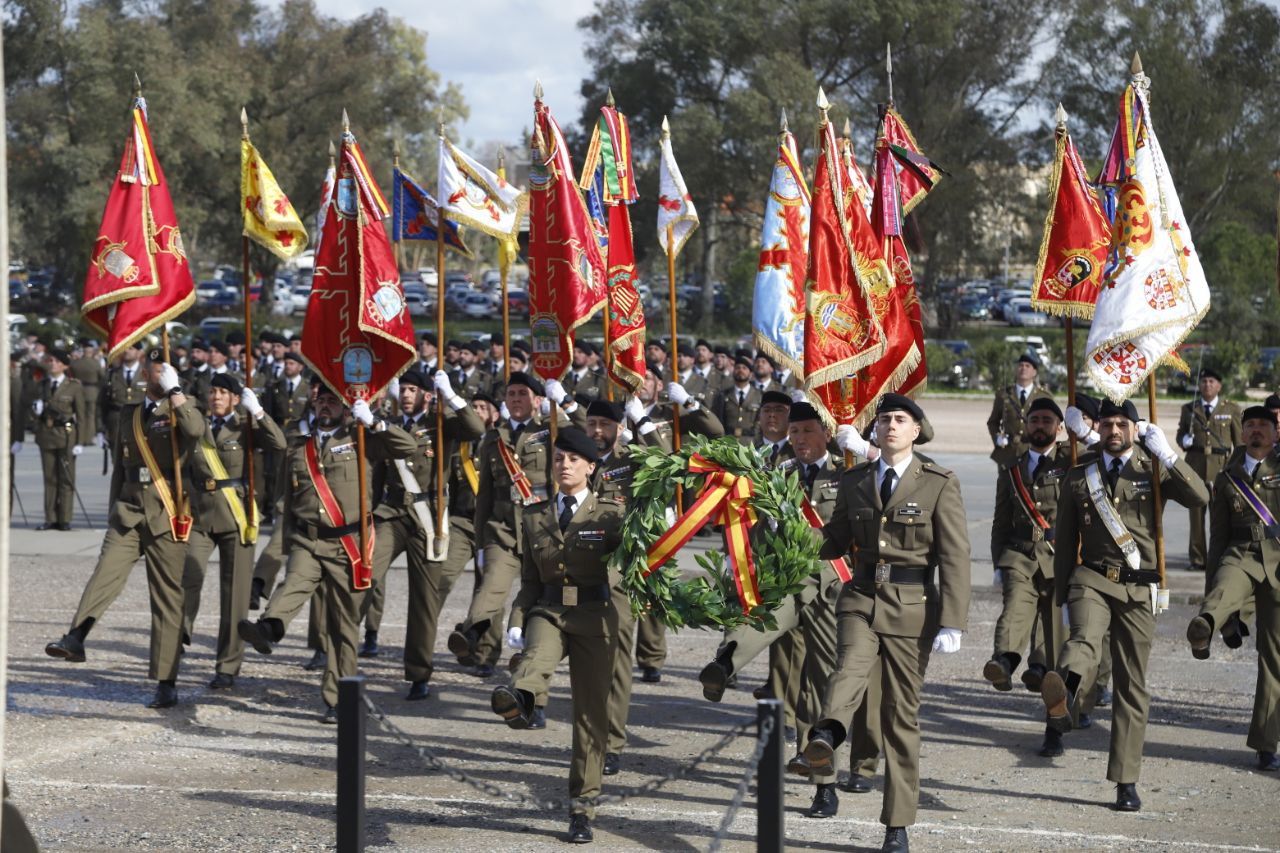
(358, 334)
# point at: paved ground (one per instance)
(252, 770)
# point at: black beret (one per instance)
(1208, 373)
(156, 355)
(702, 342)
(317, 379)
(744, 360)
(899, 403)
(235, 336)
(659, 344)
(292, 356)
(481, 395)
(1088, 405)
(1260, 412)
(1044, 404)
(227, 381)
(200, 343)
(137, 344)
(574, 440)
(413, 377)
(517, 352)
(767, 358)
(429, 337)
(519, 343)
(803, 412)
(777, 397)
(475, 346)
(605, 409)
(1273, 402)
(1030, 358)
(720, 350)
(519, 377)
(582, 398)
(265, 335)
(222, 347)
(1109, 409)
(453, 344)
(60, 354)
(585, 346)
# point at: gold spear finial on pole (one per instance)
(537, 90)
(888, 67)
(395, 153)
(1135, 67)
(244, 123)
(666, 128)
(137, 85)
(608, 98)
(847, 133)
(346, 121)
(782, 121)
(1061, 117)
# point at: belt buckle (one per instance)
(569, 596)
(210, 485)
(1113, 574)
(144, 475)
(1037, 533)
(882, 572)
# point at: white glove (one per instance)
(848, 439)
(634, 409)
(556, 392)
(798, 395)
(515, 638)
(169, 378)
(249, 400)
(1074, 422)
(100, 439)
(15, 448)
(997, 577)
(677, 394)
(38, 407)
(1002, 440)
(361, 412)
(947, 641)
(1157, 444)
(1186, 442)
(544, 407)
(443, 386)
(76, 450)
(873, 453)
(504, 411)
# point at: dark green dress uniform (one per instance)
(704, 387)
(469, 384)
(217, 528)
(63, 423)
(1009, 418)
(139, 528)
(566, 592)
(1101, 592)
(1207, 438)
(739, 407)
(196, 381)
(315, 552)
(587, 382)
(125, 386)
(400, 530)
(284, 404)
(1244, 562)
(910, 577)
(91, 375)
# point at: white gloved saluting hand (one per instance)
(634, 409)
(848, 439)
(677, 394)
(361, 412)
(15, 448)
(515, 638)
(168, 378)
(1157, 443)
(947, 641)
(1073, 419)
(556, 392)
(249, 400)
(443, 386)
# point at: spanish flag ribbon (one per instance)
(724, 499)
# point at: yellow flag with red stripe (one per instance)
(269, 217)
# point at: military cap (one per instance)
(235, 336)
(803, 412)
(429, 337)
(605, 409)
(721, 350)
(1030, 358)
(767, 358)
(1044, 404)
(659, 344)
(292, 356)
(1209, 373)
(1087, 405)
(1261, 413)
(519, 377)
(1109, 409)
(485, 397)
(413, 377)
(702, 342)
(475, 346)
(199, 344)
(227, 381)
(744, 360)
(585, 346)
(899, 403)
(574, 440)
(60, 354)
(1272, 402)
(222, 347)
(156, 355)
(453, 344)
(780, 398)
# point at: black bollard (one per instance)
(771, 831)
(351, 733)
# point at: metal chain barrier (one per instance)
(434, 762)
(762, 741)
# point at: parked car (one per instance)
(477, 306)
(456, 295)
(1018, 312)
(973, 308)
(1264, 374)
(300, 296)
(962, 372)
(518, 303)
(216, 328)
(207, 292)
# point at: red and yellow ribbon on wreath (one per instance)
(725, 499)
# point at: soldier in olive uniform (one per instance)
(318, 549)
(1208, 431)
(143, 524)
(565, 608)
(91, 373)
(900, 520)
(1009, 412)
(467, 377)
(740, 403)
(63, 428)
(198, 374)
(126, 385)
(1106, 506)
(700, 378)
(581, 378)
(408, 511)
(222, 521)
(1022, 536)
(1244, 558)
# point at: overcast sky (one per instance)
(495, 50)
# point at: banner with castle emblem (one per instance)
(1073, 252)
(777, 311)
(1154, 290)
(357, 334)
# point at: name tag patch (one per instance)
(591, 535)
(349, 447)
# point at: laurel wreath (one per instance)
(784, 548)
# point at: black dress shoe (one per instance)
(856, 784)
(70, 648)
(484, 670)
(462, 644)
(508, 704)
(319, 660)
(514, 663)
(580, 830)
(330, 716)
(764, 691)
(1084, 721)
(62, 525)
(1052, 746)
(222, 681)
(255, 593)
(369, 648)
(895, 840)
(799, 767)
(1057, 702)
(612, 763)
(1199, 634)
(825, 802)
(650, 675)
(997, 672)
(714, 678)
(48, 525)
(820, 750)
(1104, 697)
(1268, 761)
(1033, 677)
(538, 719)
(1127, 797)
(418, 690)
(166, 696)
(255, 634)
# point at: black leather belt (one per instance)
(212, 485)
(323, 531)
(1123, 574)
(1212, 451)
(400, 497)
(135, 475)
(570, 595)
(1255, 532)
(874, 574)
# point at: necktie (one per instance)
(515, 432)
(1035, 471)
(742, 398)
(1208, 413)
(324, 440)
(128, 377)
(810, 474)
(291, 387)
(217, 426)
(148, 409)
(773, 457)
(886, 486)
(1113, 475)
(1022, 397)
(408, 422)
(566, 512)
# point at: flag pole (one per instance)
(504, 271)
(1068, 322)
(361, 464)
(608, 296)
(249, 497)
(395, 243)
(1157, 506)
(671, 301)
(439, 448)
(846, 384)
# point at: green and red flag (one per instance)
(567, 281)
(358, 334)
(139, 277)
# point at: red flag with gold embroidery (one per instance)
(841, 334)
(139, 277)
(567, 278)
(358, 334)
